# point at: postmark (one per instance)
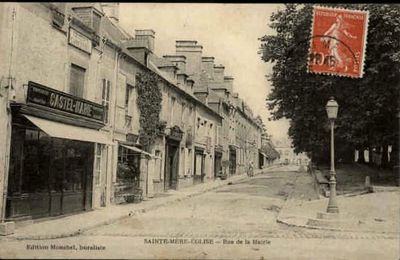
(338, 41)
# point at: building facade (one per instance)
(287, 156)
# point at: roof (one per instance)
(153, 63)
(161, 62)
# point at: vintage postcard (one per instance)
(199, 131)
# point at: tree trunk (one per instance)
(370, 152)
(385, 158)
(361, 158)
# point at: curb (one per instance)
(288, 223)
(286, 220)
(132, 213)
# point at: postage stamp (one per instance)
(338, 42)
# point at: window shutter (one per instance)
(77, 80)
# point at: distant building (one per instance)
(287, 155)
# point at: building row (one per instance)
(78, 96)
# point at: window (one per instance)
(97, 164)
(41, 164)
(77, 80)
(128, 170)
(127, 95)
(106, 99)
(89, 16)
(183, 113)
(172, 109)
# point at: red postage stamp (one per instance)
(338, 41)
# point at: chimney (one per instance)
(177, 60)
(235, 99)
(141, 46)
(145, 38)
(207, 66)
(111, 10)
(202, 95)
(189, 84)
(228, 83)
(192, 51)
(219, 73)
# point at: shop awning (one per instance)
(133, 148)
(60, 130)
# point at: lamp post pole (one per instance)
(332, 108)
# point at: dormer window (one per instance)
(90, 16)
(58, 10)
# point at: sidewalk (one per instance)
(373, 212)
(75, 224)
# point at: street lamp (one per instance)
(332, 110)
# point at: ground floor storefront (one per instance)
(47, 176)
(56, 157)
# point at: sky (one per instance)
(228, 32)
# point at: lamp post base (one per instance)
(334, 221)
(332, 205)
(333, 209)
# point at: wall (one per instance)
(41, 52)
(204, 132)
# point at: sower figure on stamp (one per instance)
(336, 34)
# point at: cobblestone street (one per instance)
(212, 224)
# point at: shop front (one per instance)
(232, 159)
(199, 165)
(218, 161)
(130, 173)
(173, 140)
(53, 164)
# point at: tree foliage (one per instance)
(367, 106)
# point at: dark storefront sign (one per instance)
(50, 98)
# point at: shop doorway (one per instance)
(199, 174)
(171, 166)
(217, 165)
(232, 162)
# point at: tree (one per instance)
(368, 106)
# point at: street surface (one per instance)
(235, 221)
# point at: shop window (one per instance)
(106, 88)
(128, 170)
(42, 164)
(77, 80)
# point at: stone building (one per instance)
(56, 120)
(287, 154)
